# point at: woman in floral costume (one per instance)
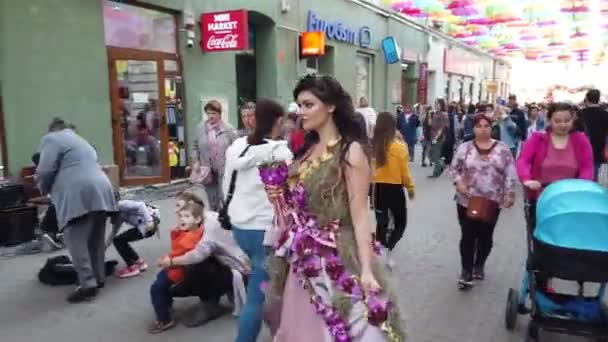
(323, 269)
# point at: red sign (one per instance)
(224, 31)
(423, 83)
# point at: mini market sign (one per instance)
(224, 31)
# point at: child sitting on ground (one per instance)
(184, 238)
(184, 197)
(144, 220)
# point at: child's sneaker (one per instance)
(141, 265)
(128, 272)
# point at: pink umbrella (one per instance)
(454, 4)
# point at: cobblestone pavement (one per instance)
(428, 264)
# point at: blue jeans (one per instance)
(250, 318)
(161, 298)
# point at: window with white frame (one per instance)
(363, 77)
(312, 65)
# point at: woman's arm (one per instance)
(228, 168)
(510, 178)
(406, 176)
(204, 249)
(526, 158)
(195, 154)
(48, 167)
(357, 175)
(456, 169)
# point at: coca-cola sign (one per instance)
(224, 31)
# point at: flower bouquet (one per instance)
(274, 175)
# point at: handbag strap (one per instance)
(233, 176)
(233, 179)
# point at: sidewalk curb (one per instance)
(125, 191)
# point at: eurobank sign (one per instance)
(338, 31)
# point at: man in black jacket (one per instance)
(518, 116)
(594, 120)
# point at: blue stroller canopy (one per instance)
(573, 214)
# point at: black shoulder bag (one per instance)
(223, 213)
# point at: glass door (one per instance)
(139, 121)
(145, 86)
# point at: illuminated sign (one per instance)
(312, 44)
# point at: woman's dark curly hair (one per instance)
(330, 92)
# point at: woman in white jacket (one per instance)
(250, 210)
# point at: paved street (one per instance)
(428, 264)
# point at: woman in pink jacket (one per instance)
(547, 157)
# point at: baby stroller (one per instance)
(570, 242)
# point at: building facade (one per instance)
(134, 81)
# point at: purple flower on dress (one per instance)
(298, 196)
(377, 309)
(304, 245)
(377, 247)
(334, 267)
(311, 267)
(346, 283)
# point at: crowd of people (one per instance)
(321, 279)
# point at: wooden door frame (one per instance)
(116, 53)
(3, 138)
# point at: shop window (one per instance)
(139, 28)
(470, 94)
(312, 65)
(363, 77)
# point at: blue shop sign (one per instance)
(338, 31)
(392, 52)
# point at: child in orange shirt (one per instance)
(184, 238)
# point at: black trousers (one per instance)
(447, 151)
(476, 242)
(49, 223)
(208, 280)
(124, 249)
(390, 198)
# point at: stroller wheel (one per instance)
(512, 309)
(532, 334)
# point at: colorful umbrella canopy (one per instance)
(539, 30)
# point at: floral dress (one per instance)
(315, 268)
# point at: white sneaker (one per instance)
(55, 243)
